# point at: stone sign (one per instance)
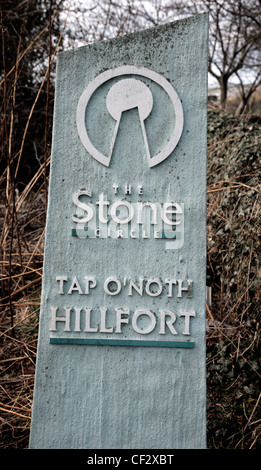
(121, 350)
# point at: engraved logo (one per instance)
(126, 94)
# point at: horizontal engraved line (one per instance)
(122, 342)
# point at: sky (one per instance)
(79, 21)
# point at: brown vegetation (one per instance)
(233, 317)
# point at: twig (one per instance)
(14, 413)
(211, 316)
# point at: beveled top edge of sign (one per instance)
(191, 19)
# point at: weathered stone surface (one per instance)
(104, 396)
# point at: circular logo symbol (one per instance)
(126, 94)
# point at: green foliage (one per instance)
(233, 359)
(233, 271)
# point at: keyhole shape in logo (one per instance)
(124, 95)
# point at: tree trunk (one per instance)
(223, 81)
(241, 107)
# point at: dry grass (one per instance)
(22, 222)
(233, 317)
(21, 275)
